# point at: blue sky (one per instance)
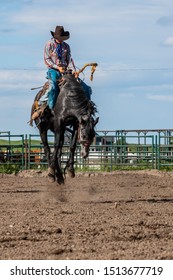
(131, 40)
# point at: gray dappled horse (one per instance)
(72, 109)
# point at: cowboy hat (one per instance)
(60, 34)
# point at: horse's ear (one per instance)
(96, 121)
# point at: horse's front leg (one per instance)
(55, 163)
(70, 163)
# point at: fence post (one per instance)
(26, 152)
(156, 151)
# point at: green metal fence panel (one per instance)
(35, 155)
(111, 150)
(12, 150)
(124, 152)
(122, 155)
(165, 150)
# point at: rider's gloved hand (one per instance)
(76, 74)
(61, 68)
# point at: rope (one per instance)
(36, 87)
(93, 64)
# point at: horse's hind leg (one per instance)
(43, 135)
(51, 174)
(70, 169)
(55, 162)
(51, 171)
(58, 171)
(54, 172)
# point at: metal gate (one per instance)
(12, 150)
(111, 150)
(165, 150)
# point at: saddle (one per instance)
(37, 111)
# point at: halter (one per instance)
(85, 143)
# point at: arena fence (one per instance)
(111, 150)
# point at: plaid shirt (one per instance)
(53, 59)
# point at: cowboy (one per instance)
(57, 57)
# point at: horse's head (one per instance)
(86, 133)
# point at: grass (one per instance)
(9, 168)
(15, 168)
(17, 142)
(18, 145)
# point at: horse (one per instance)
(72, 109)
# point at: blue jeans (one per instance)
(53, 75)
(53, 91)
(87, 89)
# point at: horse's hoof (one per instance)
(51, 175)
(60, 181)
(51, 178)
(70, 173)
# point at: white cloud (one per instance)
(152, 86)
(166, 98)
(78, 13)
(127, 95)
(21, 79)
(168, 42)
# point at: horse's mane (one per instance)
(73, 94)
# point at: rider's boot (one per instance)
(39, 111)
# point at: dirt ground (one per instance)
(120, 215)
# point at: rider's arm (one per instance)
(48, 55)
(70, 61)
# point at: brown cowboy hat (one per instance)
(60, 34)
